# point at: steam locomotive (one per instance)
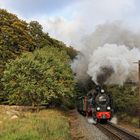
(96, 104)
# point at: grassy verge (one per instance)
(131, 120)
(44, 125)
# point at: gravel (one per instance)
(89, 131)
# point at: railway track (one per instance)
(116, 133)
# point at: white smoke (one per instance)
(119, 58)
(109, 55)
(114, 120)
(80, 67)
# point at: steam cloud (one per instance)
(109, 55)
(106, 72)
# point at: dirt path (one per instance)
(82, 130)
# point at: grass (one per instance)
(131, 120)
(44, 125)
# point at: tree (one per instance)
(14, 39)
(125, 98)
(18, 36)
(15, 35)
(42, 77)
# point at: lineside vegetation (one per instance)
(35, 126)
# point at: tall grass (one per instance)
(45, 125)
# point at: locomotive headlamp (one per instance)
(98, 108)
(108, 108)
(102, 91)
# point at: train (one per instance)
(96, 104)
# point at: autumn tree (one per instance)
(15, 35)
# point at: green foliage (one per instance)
(129, 119)
(14, 39)
(42, 77)
(71, 52)
(40, 38)
(125, 98)
(18, 36)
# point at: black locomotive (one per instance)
(96, 104)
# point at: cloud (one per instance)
(68, 31)
(31, 8)
(72, 20)
(85, 16)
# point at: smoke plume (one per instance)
(105, 73)
(109, 55)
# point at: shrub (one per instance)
(40, 78)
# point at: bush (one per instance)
(40, 78)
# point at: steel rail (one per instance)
(117, 133)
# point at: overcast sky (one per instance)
(68, 20)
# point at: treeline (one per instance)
(34, 68)
(125, 99)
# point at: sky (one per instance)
(71, 20)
